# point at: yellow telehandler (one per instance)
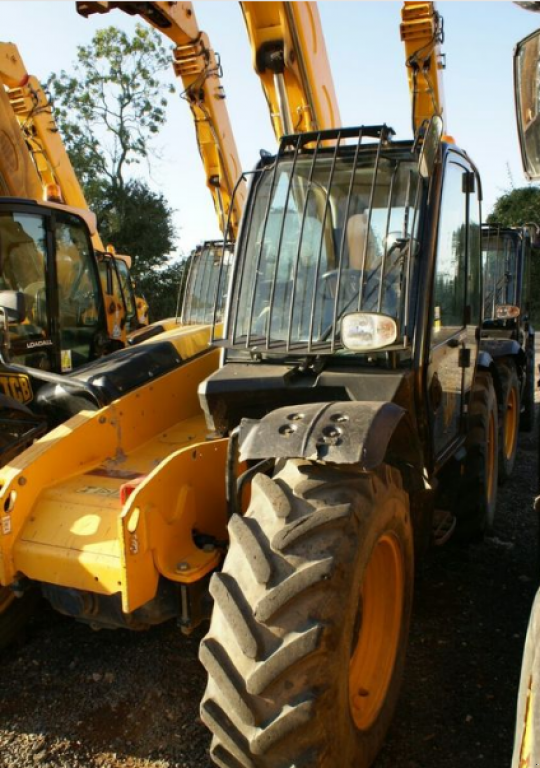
(119, 515)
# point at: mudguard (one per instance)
(338, 432)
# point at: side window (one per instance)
(451, 267)
(79, 292)
(127, 289)
(23, 278)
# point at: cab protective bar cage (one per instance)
(312, 145)
(215, 296)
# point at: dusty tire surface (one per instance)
(315, 596)
(74, 698)
(508, 422)
(477, 504)
(527, 421)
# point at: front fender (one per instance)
(337, 432)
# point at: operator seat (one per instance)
(357, 234)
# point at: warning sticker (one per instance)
(65, 360)
(6, 525)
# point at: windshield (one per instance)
(207, 284)
(499, 258)
(326, 236)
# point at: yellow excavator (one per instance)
(119, 516)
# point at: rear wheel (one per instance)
(528, 416)
(307, 640)
(477, 501)
(15, 613)
(510, 416)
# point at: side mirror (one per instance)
(12, 302)
(527, 96)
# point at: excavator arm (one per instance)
(33, 111)
(18, 174)
(422, 32)
(289, 55)
(199, 68)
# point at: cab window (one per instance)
(78, 292)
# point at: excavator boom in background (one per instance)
(199, 68)
(289, 56)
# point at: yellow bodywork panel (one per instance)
(63, 520)
(311, 101)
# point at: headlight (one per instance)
(506, 311)
(365, 331)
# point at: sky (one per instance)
(367, 61)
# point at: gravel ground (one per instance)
(72, 698)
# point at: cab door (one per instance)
(456, 290)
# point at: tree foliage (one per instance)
(111, 104)
(137, 221)
(109, 109)
(518, 207)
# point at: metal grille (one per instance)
(499, 258)
(330, 230)
(205, 292)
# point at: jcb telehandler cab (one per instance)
(54, 315)
(353, 388)
(507, 333)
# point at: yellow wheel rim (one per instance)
(6, 598)
(510, 424)
(491, 457)
(373, 658)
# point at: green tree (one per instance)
(162, 285)
(137, 221)
(111, 104)
(517, 207)
(109, 109)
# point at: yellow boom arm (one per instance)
(18, 174)
(289, 55)
(422, 32)
(199, 68)
(34, 114)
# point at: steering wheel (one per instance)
(349, 285)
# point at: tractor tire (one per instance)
(477, 501)
(526, 423)
(308, 635)
(509, 422)
(15, 613)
